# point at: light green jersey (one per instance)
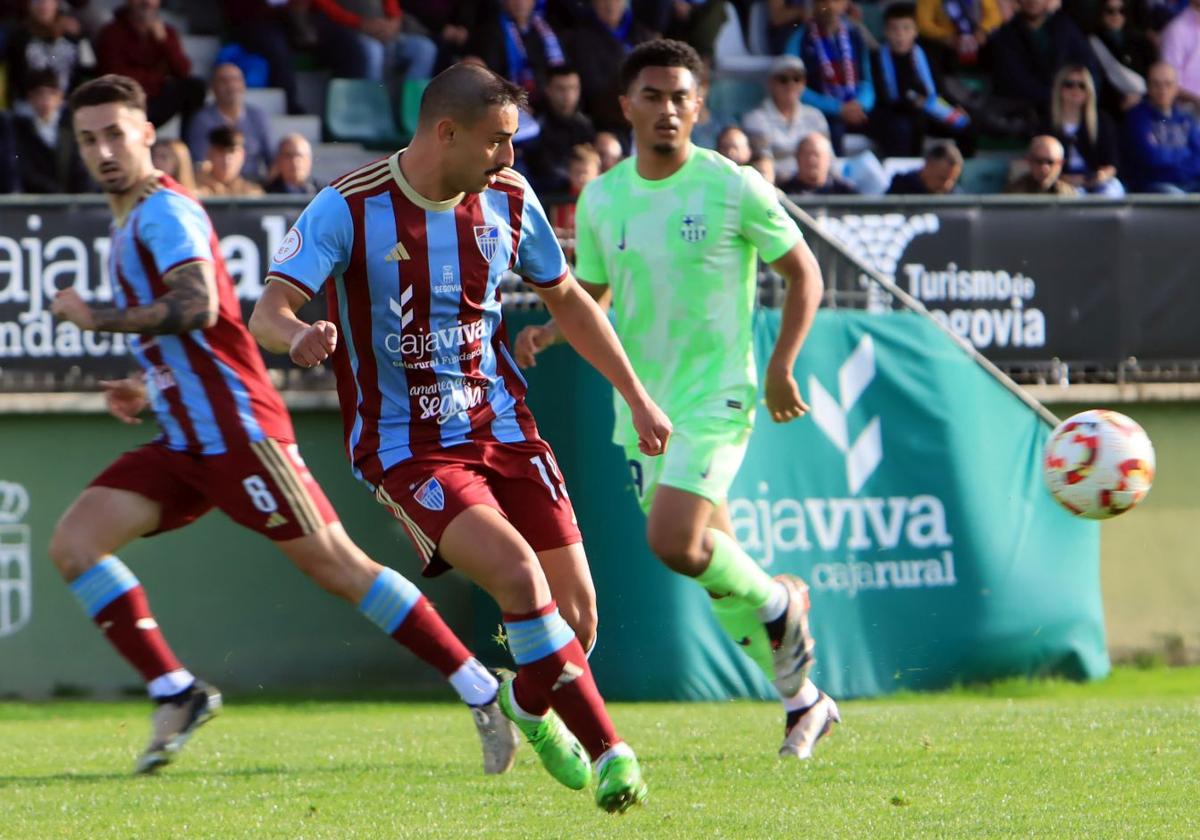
(680, 256)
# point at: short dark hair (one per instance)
(946, 152)
(464, 91)
(226, 137)
(106, 90)
(46, 78)
(661, 53)
(563, 69)
(899, 9)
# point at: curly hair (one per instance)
(660, 53)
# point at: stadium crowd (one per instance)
(1061, 97)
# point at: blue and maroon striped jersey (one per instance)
(422, 362)
(208, 388)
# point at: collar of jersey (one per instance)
(661, 183)
(414, 196)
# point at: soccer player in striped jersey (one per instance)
(671, 239)
(410, 251)
(226, 441)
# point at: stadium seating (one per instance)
(306, 125)
(201, 50)
(271, 101)
(410, 106)
(360, 111)
(730, 98)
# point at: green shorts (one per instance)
(701, 459)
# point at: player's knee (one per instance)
(583, 619)
(678, 550)
(70, 554)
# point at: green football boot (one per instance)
(621, 785)
(560, 752)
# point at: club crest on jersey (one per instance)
(487, 237)
(693, 229)
(430, 495)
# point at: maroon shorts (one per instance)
(264, 486)
(520, 480)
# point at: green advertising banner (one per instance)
(910, 499)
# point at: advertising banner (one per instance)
(910, 498)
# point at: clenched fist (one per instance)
(314, 344)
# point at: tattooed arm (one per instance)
(191, 304)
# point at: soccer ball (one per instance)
(1098, 464)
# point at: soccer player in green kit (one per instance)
(670, 239)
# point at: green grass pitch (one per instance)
(1115, 759)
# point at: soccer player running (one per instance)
(668, 238)
(415, 246)
(226, 441)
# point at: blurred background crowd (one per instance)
(1064, 97)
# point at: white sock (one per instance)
(170, 683)
(805, 697)
(474, 683)
(620, 748)
(776, 604)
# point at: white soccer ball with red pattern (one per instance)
(1098, 464)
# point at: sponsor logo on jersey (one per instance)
(430, 495)
(290, 246)
(693, 228)
(487, 237)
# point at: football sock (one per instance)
(808, 694)
(474, 683)
(742, 594)
(621, 749)
(116, 602)
(552, 671)
(398, 608)
(732, 573)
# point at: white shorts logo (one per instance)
(289, 247)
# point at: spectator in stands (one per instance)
(48, 158)
(264, 28)
(448, 22)
(1181, 49)
(695, 21)
(1086, 133)
(46, 39)
(1124, 54)
(839, 74)
(733, 144)
(782, 120)
(516, 42)
(229, 107)
(563, 128)
(814, 170)
(1162, 140)
(956, 30)
(173, 158)
(707, 127)
(609, 148)
(583, 165)
(364, 39)
(220, 174)
(907, 104)
(784, 17)
(10, 177)
(597, 47)
(1032, 47)
(937, 176)
(293, 167)
(764, 162)
(1044, 176)
(138, 44)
